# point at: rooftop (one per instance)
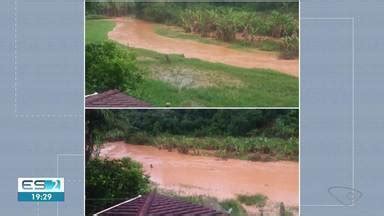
(156, 204)
(113, 98)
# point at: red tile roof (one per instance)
(156, 204)
(113, 98)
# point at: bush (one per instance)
(225, 22)
(183, 149)
(160, 12)
(252, 148)
(258, 199)
(227, 25)
(139, 138)
(111, 135)
(110, 67)
(290, 47)
(281, 25)
(235, 206)
(109, 182)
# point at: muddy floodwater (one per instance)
(200, 175)
(141, 34)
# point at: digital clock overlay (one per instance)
(40, 189)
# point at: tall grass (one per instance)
(249, 148)
(224, 23)
(290, 47)
(258, 199)
(221, 21)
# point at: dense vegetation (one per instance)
(245, 134)
(110, 67)
(222, 21)
(206, 122)
(225, 22)
(248, 148)
(169, 11)
(109, 182)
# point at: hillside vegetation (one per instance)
(259, 135)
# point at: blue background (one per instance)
(41, 102)
(335, 126)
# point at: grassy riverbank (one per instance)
(174, 80)
(246, 148)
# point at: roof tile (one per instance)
(113, 98)
(155, 204)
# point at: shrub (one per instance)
(225, 22)
(207, 21)
(161, 12)
(187, 20)
(139, 138)
(226, 25)
(281, 25)
(184, 149)
(251, 148)
(258, 199)
(109, 182)
(234, 206)
(290, 47)
(113, 135)
(110, 67)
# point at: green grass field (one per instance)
(177, 81)
(97, 29)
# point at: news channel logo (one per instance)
(40, 189)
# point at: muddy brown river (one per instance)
(141, 34)
(200, 175)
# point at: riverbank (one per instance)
(142, 34)
(175, 80)
(211, 176)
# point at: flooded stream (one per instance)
(201, 175)
(141, 34)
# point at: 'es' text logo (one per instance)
(41, 184)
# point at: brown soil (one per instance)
(141, 34)
(201, 175)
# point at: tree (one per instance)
(94, 120)
(110, 67)
(97, 125)
(112, 181)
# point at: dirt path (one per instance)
(140, 34)
(212, 176)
